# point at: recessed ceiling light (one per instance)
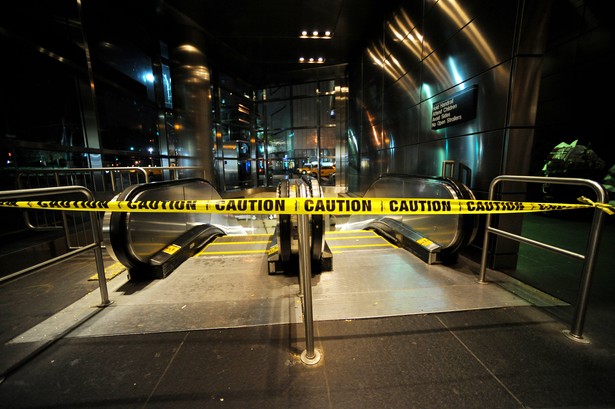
(312, 60)
(316, 35)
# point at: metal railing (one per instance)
(109, 180)
(589, 258)
(94, 244)
(104, 183)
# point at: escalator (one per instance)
(432, 238)
(283, 251)
(152, 245)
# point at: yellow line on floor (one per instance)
(366, 232)
(244, 235)
(110, 272)
(356, 237)
(224, 243)
(207, 253)
(364, 245)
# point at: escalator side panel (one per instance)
(180, 249)
(136, 237)
(450, 232)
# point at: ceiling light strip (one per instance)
(316, 35)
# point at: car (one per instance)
(306, 169)
(327, 171)
(312, 170)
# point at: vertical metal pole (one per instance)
(318, 144)
(310, 356)
(300, 191)
(576, 331)
(301, 266)
(483, 259)
(100, 265)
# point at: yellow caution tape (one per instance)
(340, 206)
(607, 208)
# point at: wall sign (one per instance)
(458, 108)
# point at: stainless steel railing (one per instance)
(589, 258)
(104, 183)
(106, 180)
(94, 244)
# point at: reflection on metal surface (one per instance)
(450, 232)
(435, 52)
(133, 238)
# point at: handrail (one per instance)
(96, 234)
(589, 258)
(57, 171)
(97, 180)
(143, 170)
(52, 170)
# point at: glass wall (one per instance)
(299, 124)
(93, 87)
(40, 118)
(238, 152)
(82, 89)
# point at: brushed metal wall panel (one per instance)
(402, 94)
(403, 46)
(533, 41)
(402, 125)
(483, 44)
(524, 91)
(519, 150)
(373, 134)
(446, 20)
(403, 159)
(372, 88)
(481, 153)
(369, 170)
(491, 108)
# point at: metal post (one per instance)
(483, 260)
(301, 191)
(310, 356)
(100, 265)
(576, 331)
